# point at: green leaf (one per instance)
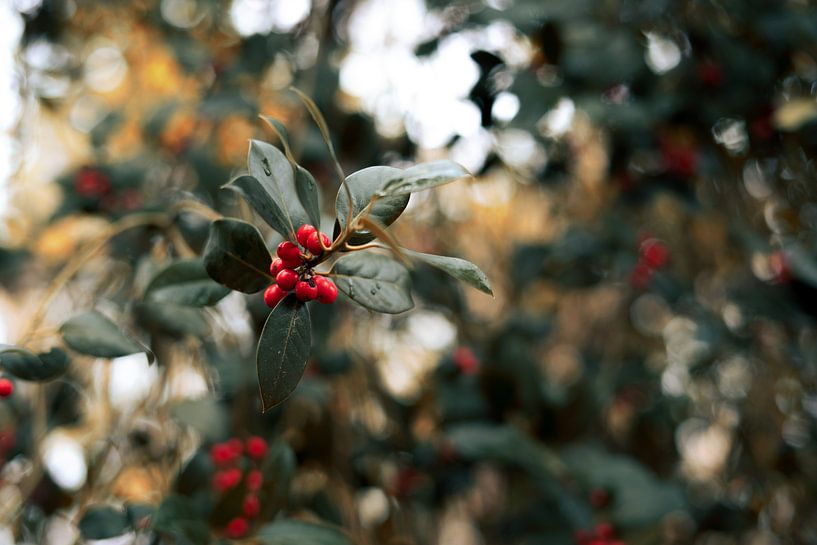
(103, 522)
(278, 468)
(24, 365)
(374, 281)
(174, 320)
(236, 256)
(93, 334)
(177, 517)
(205, 415)
(270, 189)
(423, 176)
(185, 282)
(296, 532)
(307, 190)
(456, 267)
(363, 185)
(283, 350)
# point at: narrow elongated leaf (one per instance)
(103, 522)
(267, 207)
(170, 319)
(93, 334)
(24, 365)
(185, 282)
(458, 268)
(423, 176)
(274, 195)
(283, 349)
(374, 281)
(296, 532)
(363, 185)
(236, 256)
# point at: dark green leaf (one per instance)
(185, 283)
(104, 522)
(173, 320)
(236, 256)
(296, 532)
(270, 189)
(307, 190)
(283, 349)
(177, 517)
(458, 268)
(93, 334)
(423, 176)
(278, 469)
(374, 281)
(363, 185)
(26, 366)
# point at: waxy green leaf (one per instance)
(185, 282)
(374, 281)
(104, 522)
(456, 267)
(423, 176)
(25, 365)
(363, 185)
(236, 256)
(93, 334)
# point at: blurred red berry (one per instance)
(288, 252)
(6, 387)
(680, 160)
(256, 447)
(599, 498)
(286, 279)
(779, 265)
(7, 439)
(466, 361)
(327, 290)
(90, 182)
(303, 234)
(273, 295)
(654, 253)
(221, 454)
(237, 528)
(710, 74)
(605, 531)
(255, 479)
(226, 479)
(313, 243)
(251, 506)
(582, 537)
(306, 290)
(641, 275)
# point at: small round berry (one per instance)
(466, 361)
(6, 387)
(306, 290)
(251, 506)
(288, 252)
(256, 447)
(273, 295)
(327, 290)
(221, 454)
(654, 253)
(292, 263)
(313, 244)
(227, 479)
(304, 232)
(254, 480)
(237, 528)
(582, 537)
(605, 531)
(276, 265)
(286, 279)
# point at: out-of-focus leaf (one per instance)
(185, 282)
(423, 176)
(93, 334)
(296, 532)
(236, 256)
(173, 320)
(177, 517)
(205, 415)
(283, 350)
(103, 522)
(458, 268)
(374, 281)
(24, 365)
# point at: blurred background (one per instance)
(644, 203)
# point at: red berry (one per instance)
(710, 74)
(276, 266)
(288, 252)
(256, 447)
(273, 295)
(599, 498)
(286, 279)
(306, 290)
(641, 275)
(781, 270)
(251, 506)
(313, 244)
(90, 182)
(327, 290)
(221, 454)
(582, 537)
(303, 234)
(465, 360)
(6, 387)
(254, 480)
(237, 528)
(227, 479)
(654, 253)
(605, 531)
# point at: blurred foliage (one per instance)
(644, 204)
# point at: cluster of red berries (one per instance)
(6, 387)
(227, 456)
(603, 534)
(292, 270)
(652, 255)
